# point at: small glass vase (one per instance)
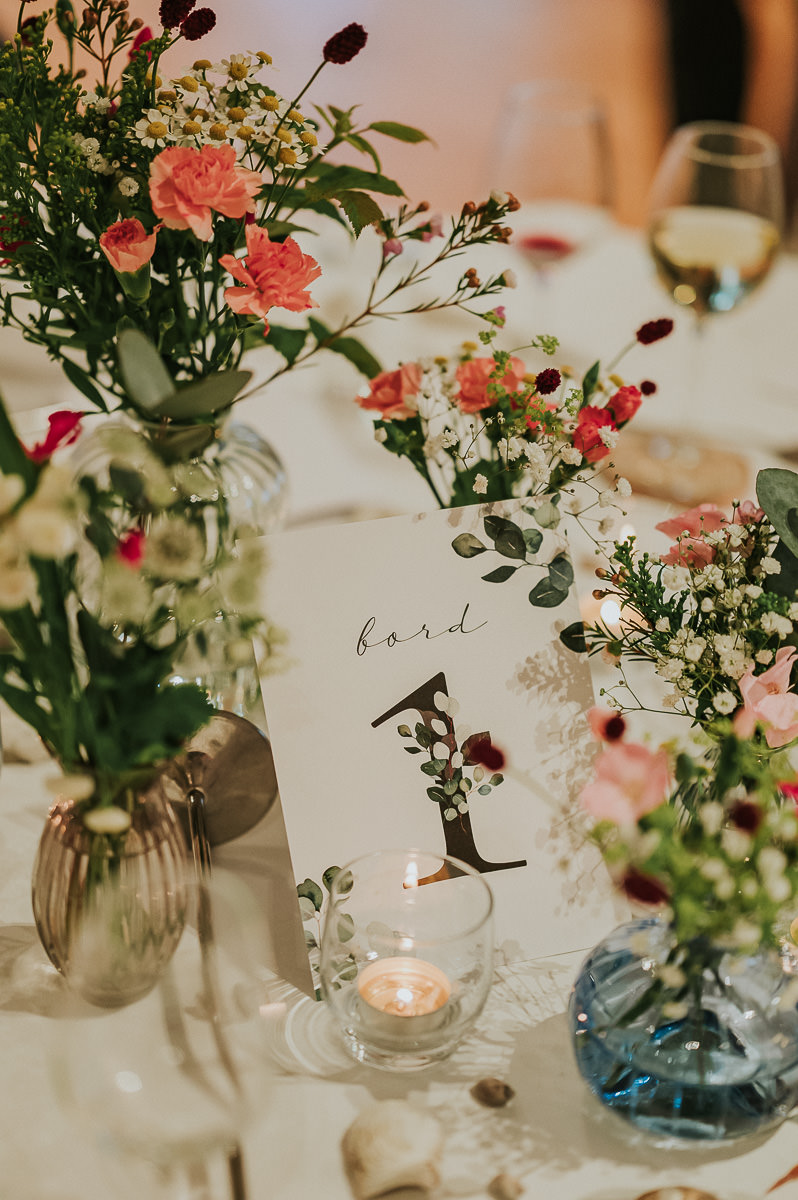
(719, 1062)
(110, 907)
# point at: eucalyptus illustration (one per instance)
(457, 767)
(313, 902)
(520, 547)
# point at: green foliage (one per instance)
(521, 545)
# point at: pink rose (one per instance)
(624, 404)
(187, 185)
(391, 392)
(630, 781)
(64, 429)
(475, 375)
(127, 245)
(273, 274)
(587, 435)
(768, 700)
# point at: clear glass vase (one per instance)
(719, 1061)
(110, 907)
(229, 483)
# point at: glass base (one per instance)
(394, 1060)
(726, 1069)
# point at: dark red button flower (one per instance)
(483, 753)
(174, 12)
(652, 331)
(197, 24)
(645, 889)
(648, 387)
(344, 45)
(547, 381)
(64, 429)
(746, 815)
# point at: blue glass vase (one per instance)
(716, 1060)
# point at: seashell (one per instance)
(392, 1145)
(677, 1193)
(505, 1187)
(494, 1093)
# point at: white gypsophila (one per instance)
(663, 625)
(792, 611)
(623, 487)
(571, 456)
(127, 186)
(770, 566)
(174, 549)
(735, 843)
(670, 669)
(774, 623)
(707, 605)
(733, 598)
(674, 578)
(771, 862)
(753, 591)
(763, 656)
(380, 435)
(449, 438)
(712, 576)
(480, 485)
(694, 649)
(671, 975)
(609, 436)
(606, 525)
(724, 703)
(671, 699)
(12, 489)
(433, 447)
(17, 586)
(606, 498)
(675, 1010)
(511, 448)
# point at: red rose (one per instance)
(624, 404)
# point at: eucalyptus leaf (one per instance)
(501, 574)
(573, 637)
(146, 379)
(561, 571)
(307, 908)
(209, 395)
(485, 789)
(434, 767)
(346, 927)
(547, 594)
(437, 794)
(533, 539)
(466, 545)
(547, 515)
(313, 893)
(777, 492)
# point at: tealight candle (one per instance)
(403, 998)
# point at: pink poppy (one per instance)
(768, 700)
(630, 781)
(474, 376)
(188, 185)
(64, 429)
(127, 245)
(624, 404)
(587, 435)
(273, 275)
(391, 393)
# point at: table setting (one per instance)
(243, 646)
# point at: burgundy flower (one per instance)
(645, 889)
(64, 429)
(648, 387)
(746, 815)
(652, 331)
(547, 381)
(174, 12)
(197, 24)
(485, 754)
(344, 45)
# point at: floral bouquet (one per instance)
(483, 427)
(149, 225)
(715, 614)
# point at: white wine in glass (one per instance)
(716, 214)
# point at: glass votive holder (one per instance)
(406, 956)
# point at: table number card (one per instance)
(408, 644)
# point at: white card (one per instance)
(384, 615)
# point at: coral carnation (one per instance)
(474, 377)
(391, 393)
(127, 245)
(187, 186)
(273, 274)
(587, 435)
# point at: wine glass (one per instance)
(170, 1082)
(552, 152)
(716, 214)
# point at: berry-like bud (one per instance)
(344, 45)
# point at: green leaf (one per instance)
(561, 571)
(547, 594)
(81, 381)
(495, 780)
(329, 875)
(346, 927)
(307, 908)
(589, 383)
(310, 940)
(312, 891)
(434, 767)
(412, 750)
(547, 515)
(777, 492)
(146, 379)
(573, 637)
(404, 731)
(359, 355)
(336, 179)
(485, 789)
(496, 527)
(360, 143)
(785, 583)
(501, 574)
(361, 210)
(437, 794)
(533, 540)
(287, 342)
(403, 133)
(466, 545)
(209, 395)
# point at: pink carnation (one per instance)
(391, 393)
(630, 781)
(587, 435)
(127, 245)
(768, 700)
(188, 185)
(691, 550)
(273, 275)
(475, 375)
